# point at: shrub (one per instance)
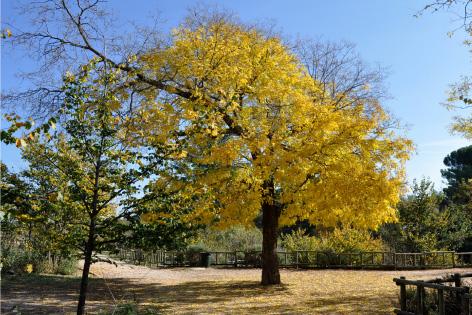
(66, 266)
(43, 266)
(298, 240)
(131, 308)
(20, 260)
(193, 254)
(236, 238)
(352, 241)
(329, 245)
(338, 241)
(126, 309)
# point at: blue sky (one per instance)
(423, 60)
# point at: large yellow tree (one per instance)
(251, 127)
(257, 133)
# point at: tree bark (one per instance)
(89, 246)
(270, 227)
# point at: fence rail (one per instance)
(303, 259)
(445, 299)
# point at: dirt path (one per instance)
(212, 291)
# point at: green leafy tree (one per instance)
(16, 224)
(461, 210)
(156, 225)
(90, 157)
(37, 217)
(419, 218)
(424, 225)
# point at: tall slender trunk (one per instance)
(270, 227)
(89, 246)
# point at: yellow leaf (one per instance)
(20, 143)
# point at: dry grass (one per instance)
(213, 291)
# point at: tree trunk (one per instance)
(85, 273)
(270, 227)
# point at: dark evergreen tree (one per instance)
(458, 172)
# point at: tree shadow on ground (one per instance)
(213, 298)
(380, 303)
(53, 294)
(202, 292)
(44, 294)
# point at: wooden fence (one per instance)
(304, 259)
(442, 298)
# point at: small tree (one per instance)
(92, 160)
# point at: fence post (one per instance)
(395, 261)
(419, 299)
(235, 259)
(457, 284)
(296, 258)
(457, 279)
(466, 301)
(441, 306)
(402, 295)
(453, 260)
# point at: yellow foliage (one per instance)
(252, 117)
(29, 268)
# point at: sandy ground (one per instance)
(211, 291)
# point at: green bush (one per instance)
(16, 260)
(66, 266)
(131, 308)
(44, 266)
(330, 246)
(21, 260)
(59, 266)
(193, 254)
(236, 238)
(338, 241)
(126, 309)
